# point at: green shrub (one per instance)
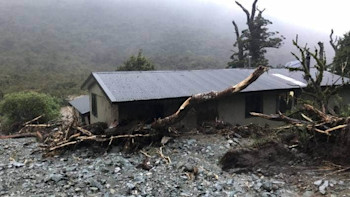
(24, 106)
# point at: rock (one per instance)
(278, 182)
(322, 190)
(17, 164)
(326, 183)
(257, 186)
(318, 182)
(218, 186)
(188, 168)
(254, 177)
(56, 177)
(275, 187)
(130, 186)
(122, 162)
(139, 179)
(95, 183)
(117, 169)
(267, 186)
(191, 141)
(308, 194)
(104, 170)
(323, 187)
(78, 189)
(332, 182)
(265, 194)
(229, 182)
(109, 162)
(94, 189)
(184, 194)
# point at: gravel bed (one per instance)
(193, 171)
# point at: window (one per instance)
(94, 105)
(253, 103)
(285, 102)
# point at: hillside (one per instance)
(52, 46)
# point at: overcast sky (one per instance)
(320, 15)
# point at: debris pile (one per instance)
(321, 123)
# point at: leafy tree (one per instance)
(253, 41)
(341, 60)
(140, 62)
(24, 106)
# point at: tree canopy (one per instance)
(341, 60)
(139, 62)
(252, 42)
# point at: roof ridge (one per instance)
(164, 71)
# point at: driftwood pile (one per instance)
(58, 136)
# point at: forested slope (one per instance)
(52, 45)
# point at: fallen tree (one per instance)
(59, 136)
(203, 97)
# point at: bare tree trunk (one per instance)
(239, 42)
(251, 27)
(321, 55)
(334, 43)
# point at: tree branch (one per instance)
(252, 16)
(245, 11)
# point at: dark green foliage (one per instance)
(24, 106)
(258, 39)
(341, 62)
(140, 62)
(253, 41)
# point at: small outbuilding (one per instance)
(124, 96)
(81, 107)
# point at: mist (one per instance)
(69, 39)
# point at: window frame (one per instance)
(94, 104)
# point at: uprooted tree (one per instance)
(313, 111)
(253, 41)
(315, 93)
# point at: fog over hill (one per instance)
(52, 45)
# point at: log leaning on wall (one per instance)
(202, 97)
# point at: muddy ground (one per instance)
(199, 165)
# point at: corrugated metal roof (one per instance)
(82, 104)
(126, 86)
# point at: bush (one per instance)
(24, 106)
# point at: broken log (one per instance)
(310, 125)
(203, 97)
(22, 135)
(279, 117)
(31, 121)
(323, 116)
